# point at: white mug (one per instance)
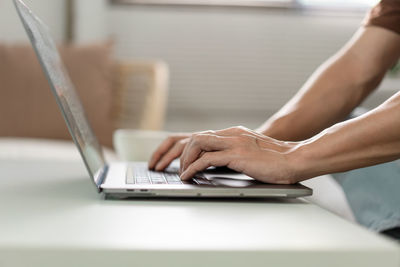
(137, 145)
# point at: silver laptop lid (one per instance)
(64, 92)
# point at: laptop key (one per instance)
(173, 178)
(143, 181)
(157, 177)
(139, 174)
(130, 179)
(154, 174)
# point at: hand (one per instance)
(173, 146)
(170, 149)
(258, 156)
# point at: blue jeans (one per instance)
(373, 194)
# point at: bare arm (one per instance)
(340, 85)
(368, 140)
(330, 94)
(337, 87)
(364, 141)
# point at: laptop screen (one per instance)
(64, 91)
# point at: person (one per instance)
(309, 136)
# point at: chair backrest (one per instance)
(140, 95)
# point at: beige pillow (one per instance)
(27, 106)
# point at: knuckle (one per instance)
(194, 136)
(197, 139)
(234, 130)
(209, 132)
(239, 129)
(182, 142)
(204, 133)
(194, 140)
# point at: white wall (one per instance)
(50, 11)
(230, 65)
(91, 23)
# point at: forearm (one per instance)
(368, 140)
(327, 98)
(337, 87)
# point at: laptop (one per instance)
(133, 179)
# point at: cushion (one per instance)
(27, 106)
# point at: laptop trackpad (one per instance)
(227, 179)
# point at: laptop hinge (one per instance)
(101, 177)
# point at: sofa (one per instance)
(115, 94)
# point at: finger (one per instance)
(209, 159)
(231, 131)
(181, 164)
(162, 149)
(194, 134)
(172, 154)
(200, 143)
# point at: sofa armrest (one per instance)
(140, 97)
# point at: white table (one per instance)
(51, 215)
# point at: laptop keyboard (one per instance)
(140, 174)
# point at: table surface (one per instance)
(51, 215)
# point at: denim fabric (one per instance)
(373, 194)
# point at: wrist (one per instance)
(302, 162)
(318, 155)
